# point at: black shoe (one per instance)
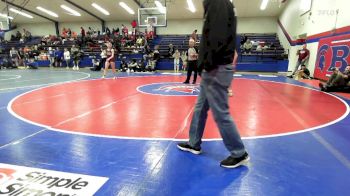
(186, 82)
(321, 87)
(186, 147)
(291, 76)
(193, 82)
(231, 162)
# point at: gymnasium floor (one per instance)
(126, 131)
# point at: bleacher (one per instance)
(271, 59)
(90, 51)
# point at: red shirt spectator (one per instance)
(134, 24)
(125, 30)
(82, 31)
(303, 54)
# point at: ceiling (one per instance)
(177, 9)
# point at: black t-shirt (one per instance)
(34, 53)
(306, 72)
(218, 41)
(156, 55)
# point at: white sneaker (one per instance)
(77, 68)
(103, 77)
(73, 67)
(67, 67)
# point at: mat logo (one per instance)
(6, 174)
(332, 52)
(170, 89)
(26, 181)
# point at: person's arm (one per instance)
(235, 58)
(19, 57)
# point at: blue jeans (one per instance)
(213, 95)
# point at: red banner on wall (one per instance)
(332, 52)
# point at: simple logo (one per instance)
(26, 181)
(170, 89)
(6, 174)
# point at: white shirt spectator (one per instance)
(66, 55)
(192, 54)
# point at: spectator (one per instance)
(125, 31)
(108, 31)
(155, 57)
(248, 46)
(170, 50)
(58, 57)
(51, 56)
(76, 54)
(134, 26)
(139, 42)
(14, 56)
(176, 57)
(259, 48)
(303, 57)
(133, 66)
(21, 54)
(123, 64)
(184, 60)
(66, 55)
(103, 58)
(69, 33)
(194, 36)
(82, 32)
(303, 73)
(18, 35)
(244, 38)
(338, 81)
(192, 62)
(33, 56)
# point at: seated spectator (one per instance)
(259, 48)
(338, 81)
(247, 47)
(6, 63)
(18, 35)
(243, 40)
(33, 57)
(139, 42)
(133, 66)
(303, 73)
(123, 64)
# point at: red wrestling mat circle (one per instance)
(115, 108)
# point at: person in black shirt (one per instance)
(303, 73)
(216, 52)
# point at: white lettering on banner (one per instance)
(25, 181)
